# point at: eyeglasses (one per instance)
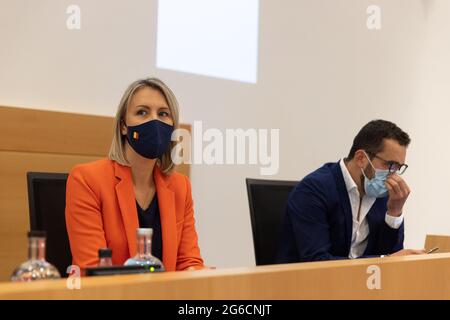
(394, 167)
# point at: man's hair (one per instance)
(371, 137)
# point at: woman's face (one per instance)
(145, 105)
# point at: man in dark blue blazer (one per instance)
(352, 208)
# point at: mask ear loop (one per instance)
(126, 134)
(364, 173)
(370, 162)
(122, 122)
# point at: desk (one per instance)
(442, 242)
(412, 277)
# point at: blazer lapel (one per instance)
(166, 201)
(126, 198)
(345, 201)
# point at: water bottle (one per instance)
(144, 252)
(105, 256)
(35, 268)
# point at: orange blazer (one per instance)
(101, 212)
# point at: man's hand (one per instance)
(407, 252)
(398, 193)
(200, 268)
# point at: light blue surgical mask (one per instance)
(376, 187)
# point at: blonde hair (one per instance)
(117, 150)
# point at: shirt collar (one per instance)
(349, 182)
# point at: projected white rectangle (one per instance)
(217, 38)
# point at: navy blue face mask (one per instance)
(150, 139)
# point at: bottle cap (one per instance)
(145, 232)
(37, 234)
(104, 253)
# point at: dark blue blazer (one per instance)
(318, 221)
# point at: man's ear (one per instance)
(360, 158)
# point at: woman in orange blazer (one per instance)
(107, 200)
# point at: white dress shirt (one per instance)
(360, 207)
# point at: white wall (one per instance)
(322, 75)
(428, 119)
